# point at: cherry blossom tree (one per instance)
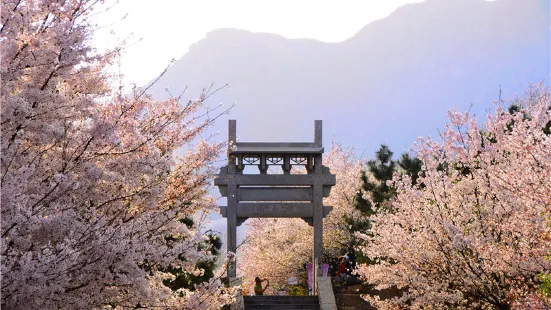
(476, 234)
(278, 248)
(91, 185)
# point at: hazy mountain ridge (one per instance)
(391, 82)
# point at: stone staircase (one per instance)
(281, 302)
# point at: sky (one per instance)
(161, 30)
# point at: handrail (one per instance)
(325, 294)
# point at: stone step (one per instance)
(281, 302)
(256, 302)
(282, 307)
(277, 297)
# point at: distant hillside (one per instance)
(391, 82)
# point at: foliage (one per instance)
(297, 290)
(475, 234)
(411, 166)
(382, 169)
(186, 279)
(545, 284)
(91, 184)
(375, 193)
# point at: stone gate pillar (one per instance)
(232, 199)
(317, 260)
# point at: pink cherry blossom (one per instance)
(477, 235)
(91, 183)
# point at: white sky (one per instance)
(168, 27)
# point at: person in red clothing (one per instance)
(342, 265)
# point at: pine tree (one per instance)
(188, 280)
(374, 185)
(411, 166)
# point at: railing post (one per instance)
(315, 284)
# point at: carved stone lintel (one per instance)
(244, 211)
(276, 179)
(273, 193)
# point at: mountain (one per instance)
(391, 82)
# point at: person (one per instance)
(343, 265)
(258, 290)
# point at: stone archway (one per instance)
(275, 195)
